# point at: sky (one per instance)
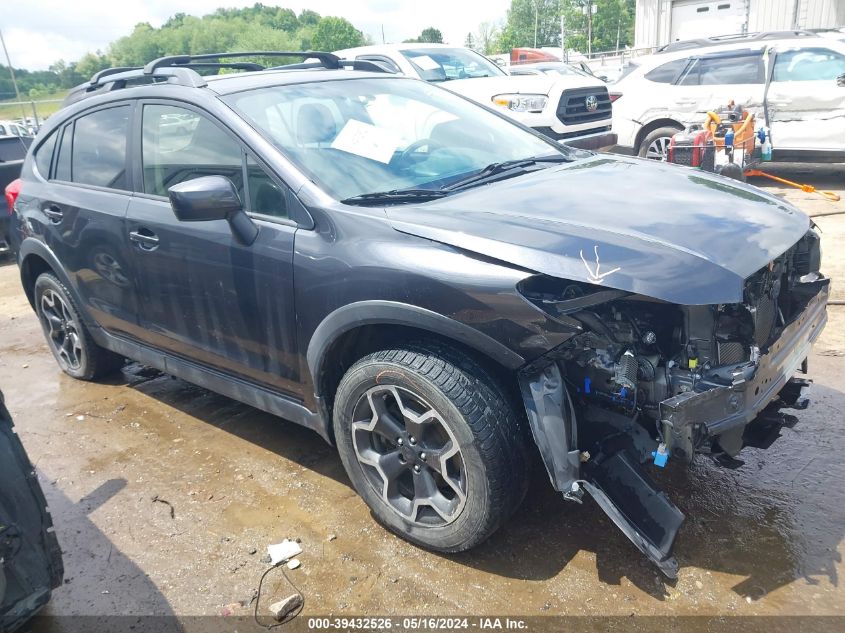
(39, 32)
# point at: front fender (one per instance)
(378, 312)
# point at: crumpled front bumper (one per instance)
(614, 475)
(722, 408)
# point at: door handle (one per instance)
(54, 212)
(145, 239)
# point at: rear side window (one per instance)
(99, 148)
(720, 71)
(667, 73)
(44, 155)
(179, 145)
(811, 64)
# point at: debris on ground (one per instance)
(293, 563)
(231, 608)
(332, 537)
(157, 499)
(283, 608)
(280, 552)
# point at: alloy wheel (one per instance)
(409, 455)
(62, 329)
(658, 149)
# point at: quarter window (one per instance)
(809, 64)
(44, 155)
(265, 196)
(667, 73)
(720, 71)
(99, 148)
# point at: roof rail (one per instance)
(111, 71)
(364, 65)
(717, 40)
(182, 70)
(327, 60)
(118, 78)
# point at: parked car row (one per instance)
(794, 82)
(574, 108)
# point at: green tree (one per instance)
(532, 23)
(91, 63)
(602, 25)
(469, 42)
(487, 38)
(285, 19)
(308, 18)
(431, 35)
(136, 49)
(333, 34)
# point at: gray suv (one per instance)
(442, 293)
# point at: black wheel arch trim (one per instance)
(32, 247)
(379, 312)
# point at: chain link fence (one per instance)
(31, 113)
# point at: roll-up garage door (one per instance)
(692, 19)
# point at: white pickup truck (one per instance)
(574, 110)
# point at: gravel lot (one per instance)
(762, 540)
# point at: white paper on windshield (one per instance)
(425, 62)
(368, 141)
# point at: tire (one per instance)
(731, 170)
(462, 404)
(67, 336)
(666, 132)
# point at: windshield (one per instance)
(443, 64)
(359, 136)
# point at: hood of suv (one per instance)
(660, 230)
(483, 88)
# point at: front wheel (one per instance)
(432, 445)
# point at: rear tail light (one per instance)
(614, 96)
(13, 189)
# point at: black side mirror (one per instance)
(212, 198)
(840, 80)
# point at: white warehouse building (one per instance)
(659, 22)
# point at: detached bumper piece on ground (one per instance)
(30, 558)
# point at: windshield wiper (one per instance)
(505, 169)
(395, 196)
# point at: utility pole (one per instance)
(382, 33)
(618, 30)
(562, 36)
(590, 28)
(12, 73)
(536, 19)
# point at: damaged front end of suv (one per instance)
(642, 381)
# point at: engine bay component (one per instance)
(644, 383)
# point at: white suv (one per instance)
(795, 86)
(574, 109)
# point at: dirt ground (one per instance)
(766, 539)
